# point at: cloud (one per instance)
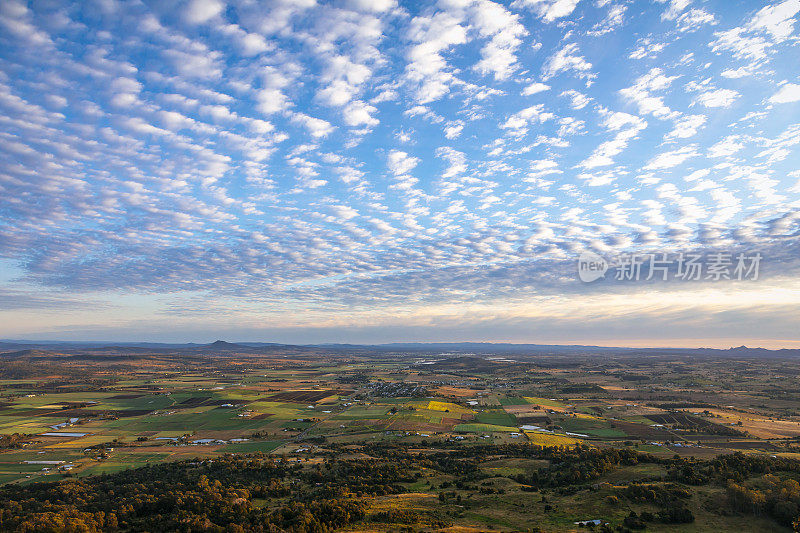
(674, 8)
(789, 92)
(519, 121)
(201, 11)
(627, 127)
(694, 19)
(343, 212)
(777, 20)
(312, 162)
(567, 60)
(550, 10)
(755, 39)
(401, 163)
(359, 113)
(671, 158)
(195, 64)
(377, 6)
(534, 88)
(457, 161)
(29, 299)
(504, 32)
(250, 44)
(726, 147)
(577, 99)
(317, 127)
(427, 69)
(642, 93)
(687, 126)
(718, 98)
(453, 129)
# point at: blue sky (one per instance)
(374, 170)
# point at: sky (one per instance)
(383, 170)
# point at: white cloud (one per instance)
(566, 60)
(647, 48)
(343, 212)
(315, 126)
(400, 163)
(453, 129)
(261, 126)
(518, 122)
(686, 126)
(534, 88)
(694, 19)
(754, 40)
(743, 45)
(726, 147)
(790, 92)
(578, 100)
(270, 101)
(504, 32)
(198, 63)
(200, 11)
(457, 161)
(718, 98)
(249, 44)
(737, 73)
(778, 19)
(376, 6)
(154, 160)
(358, 113)
(627, 127)
(672, 158)
(674, 8)
(542, 167)
(613, 20)
(617, 120)
(641, 93)
(550, 10)
(427, 69)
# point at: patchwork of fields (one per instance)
(116, 420)
(72, 421)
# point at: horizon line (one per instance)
(424, 343)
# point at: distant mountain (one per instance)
(29, 354)
(224, 345)
(495, 347)
(26, 349)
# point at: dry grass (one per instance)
(760, 427)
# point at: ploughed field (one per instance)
(508, 428)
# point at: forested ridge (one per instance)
(335, 489)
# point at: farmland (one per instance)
(66, 417)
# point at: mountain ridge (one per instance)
(11, 346)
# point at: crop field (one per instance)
(485, 428)
(555, 404)
(306, 396)
(307, 410)
(547, 439)
(496, 417)
(233, 410)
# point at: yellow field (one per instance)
(82, 442)
(546, 403)
(544, 439)
(434, 405)
(584, 416)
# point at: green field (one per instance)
(485, 428)
(309, 416)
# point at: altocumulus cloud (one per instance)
(318, 157)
